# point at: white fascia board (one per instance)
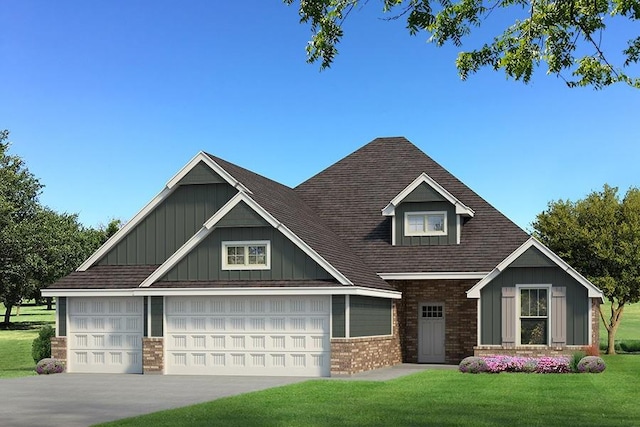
(169, 188)
(592, 290)
(209, 225)
(447, 275)
(190, 244)
(120, 234)
(301, 244)
(461, 208)
(202, 157)
(227, 291)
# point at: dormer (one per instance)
(425, 213)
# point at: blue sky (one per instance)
(106, 100)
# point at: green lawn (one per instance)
(15, 343)
(438, 397)
(629, 328)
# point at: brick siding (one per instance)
(353, 355)
(152, 355)
(595, 321)
(59, 348)
(460, 316)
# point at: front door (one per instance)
(431, 333)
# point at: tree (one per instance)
(19, 191)
(37, 245)
(565, 34)
(600, 237)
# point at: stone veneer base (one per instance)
(152, 356)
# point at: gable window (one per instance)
(534, 316)
(425, 223)
(255, 255)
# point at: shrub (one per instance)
(473, 365)
(592, 350)
(41, 347)
(592, 364)
(629, 346)
(553, 365)
(575, 359)
(497, 364)
(49, 366)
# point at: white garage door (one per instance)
(105, 335)
(275, 336)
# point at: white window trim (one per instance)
(518, 311)
(246, 244)
(444, 231)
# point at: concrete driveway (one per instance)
(85, 399)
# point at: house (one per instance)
(382, 258)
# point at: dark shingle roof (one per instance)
(289, 208)
(106, 277)
(350, 195)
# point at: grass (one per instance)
(15, 342)
(438, 397)
(629, 327)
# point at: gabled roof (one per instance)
(277, 204)
(592, 290)
(169, 188)
(461, 208)
(348, 197)
(288, 208)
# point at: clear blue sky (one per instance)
(106, 100)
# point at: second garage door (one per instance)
(275, 336)
(105, 335)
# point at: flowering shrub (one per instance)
(50, 366)
(497, 364)
(593, 364)
(473, 365)
(553, 365)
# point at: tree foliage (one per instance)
(599, 236)
(37, 245)
(567, 35)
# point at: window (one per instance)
(246, 255)
(534, 316)
(425, 223)
(432, 311)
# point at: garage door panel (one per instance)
(105, 335)
(248, 363)
(248, 336)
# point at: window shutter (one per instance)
(559, 316)
(509, 317)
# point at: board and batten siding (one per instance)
(288, 262)
(169, 225)
(338, 324)
(448, 239)
(577, 302)
(368, 316)
(61, 308)
(157, 316)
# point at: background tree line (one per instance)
(37, 245)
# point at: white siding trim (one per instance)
(446, 275)
(159, 198)
(336, 290)
(592, 290)
(518, 287)
(208, 227)
(122, 233)
(461, 208)
(478, 325)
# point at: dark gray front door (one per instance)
(431, 333)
